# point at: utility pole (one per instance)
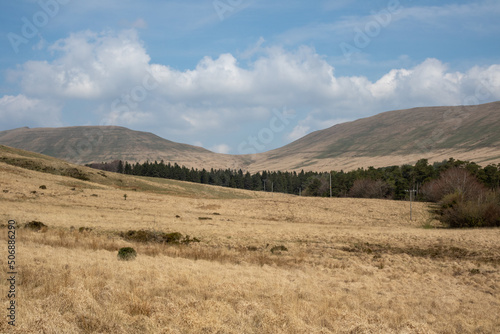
(330, 184)
(411, 200)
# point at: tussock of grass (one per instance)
(126, 254)
(36, 225)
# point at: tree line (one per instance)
(392, 182)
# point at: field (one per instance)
(265, 263)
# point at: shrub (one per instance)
(454, 180)
(471, 213)
(126, 254)
(463, 201)
(36, 226)
(75, 173)
(140, 236)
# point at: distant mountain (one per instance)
(395, 138)
(390, 138)
(87, 144)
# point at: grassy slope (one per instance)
(352, 266)
(434, 132)
(96, 179)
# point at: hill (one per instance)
(390, 138)
(36, 167)
(395, 138)
(87, 144)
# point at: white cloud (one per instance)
(220, 98)
(21, 110)
(88, 65)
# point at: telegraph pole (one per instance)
(330, 184)
(411, 200)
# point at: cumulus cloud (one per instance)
(25, 111)
(88, 65)
(221, 98)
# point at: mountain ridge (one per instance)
(390, 138)
(90, 144)
(402, 136)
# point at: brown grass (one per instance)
(351, 265)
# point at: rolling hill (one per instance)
(390, 138)
(395, 138)
(87, 144)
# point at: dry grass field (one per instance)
(350, 265)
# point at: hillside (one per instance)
(390, 138)
(38, 167)
(395, 138)
(87, 144)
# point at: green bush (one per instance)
(127, 254)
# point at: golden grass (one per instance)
(352, 265)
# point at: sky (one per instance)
(240, 76)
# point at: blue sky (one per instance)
(240, 76)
